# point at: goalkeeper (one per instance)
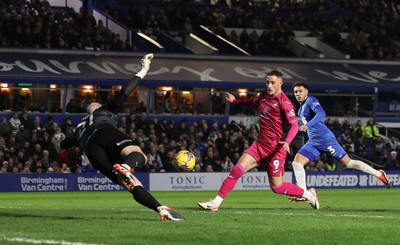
(112, 152)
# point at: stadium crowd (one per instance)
(265, 26)
(35, 24)
(28, 145)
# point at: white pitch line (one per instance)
(37, 241)
(315, 213)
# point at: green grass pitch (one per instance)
(351, 216)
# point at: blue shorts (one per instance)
(311, 150)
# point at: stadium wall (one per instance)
(183, 181)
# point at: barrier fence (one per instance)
(183, 181)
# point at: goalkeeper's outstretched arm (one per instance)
(66, 143)
(116, 102)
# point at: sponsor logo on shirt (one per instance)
(123, 142)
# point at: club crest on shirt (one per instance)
(265, 111)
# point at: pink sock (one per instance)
(288, 189)
(230, 182)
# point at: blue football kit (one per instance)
(320, 137)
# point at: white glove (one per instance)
(59, 137)
(146, 61)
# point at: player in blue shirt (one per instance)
(320, 138)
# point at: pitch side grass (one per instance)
(350, 216)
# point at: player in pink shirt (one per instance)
(270, 149)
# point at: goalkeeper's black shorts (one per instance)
(104, 150)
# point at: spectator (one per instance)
(26, 169)
(360, 151)
(171, 130)
(71, 106)
(50, 170)
(37, 124)
(153, 155)
(197, 168)
(154, 167)
(330, 166)
(380, 149)
(22, 135)
(3, 149)
(15, 122)
(320, 165)
(26, 121)
(65, 169)
(12, 143)
(370, 131)
(142, 122)
(392, 163)
(5, 167)
(5, 128)
(122, 125)
(227, 164)
(67, 127)
(358, 126)
(141, 108)
(168, 166)
(392, 143)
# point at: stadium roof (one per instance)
(50, 66)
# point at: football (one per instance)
(184, 161)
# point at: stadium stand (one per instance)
(258, 28)
(269, 28)
(36, 24)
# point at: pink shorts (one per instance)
(273, 157)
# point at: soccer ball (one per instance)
(184, 161)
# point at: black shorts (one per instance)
(104, 150)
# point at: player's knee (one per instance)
(237, 171)
(134, 159)
(278, 189)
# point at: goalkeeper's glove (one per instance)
(146, 61)
(59, 137)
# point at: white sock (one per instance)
(300, 175)
(218, 200)
(359, 165)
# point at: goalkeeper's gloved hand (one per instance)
(146, 61)
(59, 137)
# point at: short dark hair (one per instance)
(275, 73)
(300, 84)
